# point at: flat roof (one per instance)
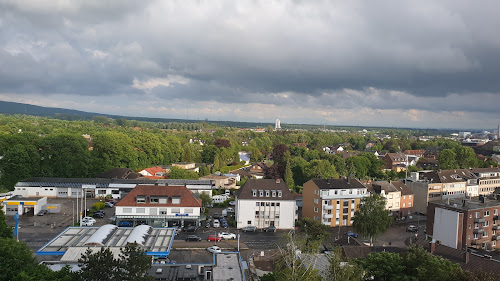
(104, 183)
(72, 240)
(467, 204)
(16, 198)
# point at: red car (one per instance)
(213, 238)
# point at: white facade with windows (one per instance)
(264, 213)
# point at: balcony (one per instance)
(496, 227)
(328, 216)
(479, 230)
(479, 220)
(495, 238)
(495, 218)
(327, 207)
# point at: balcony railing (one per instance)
(495, 238)
(479, 220)
(496, 227)
(479, 230)
(327, 216)
(327, 207)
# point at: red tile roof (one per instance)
(187, 197)
(154, 170)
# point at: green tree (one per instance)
(208, 154)
(341, 269)
(14, 258)
(466, 157)
(99, 266)
(18, 163)
(447, 159)
(372, 218)
(134, 264)
(313, 230)
(322, 169)
(206, 201)
(289, 175)
(5, 229)
(179, 173)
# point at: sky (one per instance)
(421, 64)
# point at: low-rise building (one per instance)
(159, 206)
(222, 181)
(395, 161)
(332, 201)
(458, 223)
(20, 205)
(263, 203)
(190, 166)
(391, 194)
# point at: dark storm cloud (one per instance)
(332, 54)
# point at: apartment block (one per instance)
(399, 198)
(458, 223)
(332, 201)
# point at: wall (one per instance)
(420, 196)
(245, 211)
(445, 227)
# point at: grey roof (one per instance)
(405, 190)
(386, 186)
(338, 183)
(245, 192)
(467, 204)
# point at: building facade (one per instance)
(467, 222)
(159, 206)
(265, 202)
(332, 201)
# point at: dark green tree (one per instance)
(289, 175)
(134, 264)
(341, 269)
(18, 163)
(313, 230)
(15, 257)
(5, 229)
(447, 159)
(372, 218)
(466, 157)
(99, 266)
(206, 201)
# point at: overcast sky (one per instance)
(426, 64)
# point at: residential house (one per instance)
(190, 166)
(427, 164)
(488, 179)
(391, 194)
(258, 170)
(395, 161)
(430, 186)
(159, 206)
(222, 181)
(332, 201)
(407, 199)
(418, 153)
(154, 172)
(244, 157)
(431, 152)
(460, 223)
(263, 203)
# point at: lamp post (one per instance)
(73, 214)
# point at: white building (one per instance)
(99, 187)
(159, 206)
(265, 202)
(277, 126)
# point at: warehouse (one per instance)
(22, 205)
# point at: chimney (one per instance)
(432, 246)
(277, 180)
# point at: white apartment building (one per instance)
(265, 202)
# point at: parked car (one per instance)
(232, 203)
(352, 234)
(207, 224)
(249, 228)
(224, 225)
(227, 235)
(125, 224)
(412, 228)
(216, 223)
(109, 204)
(270, 229)
(112, 219)
(190, 228)
(193, 238)
(224, 213)
(230, 210)
(214, 249)
(87, 221)
(213, 238)
(99, 214)
(216, 216)
(42, 212)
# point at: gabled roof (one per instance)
(246, 191)
(448, 176)
(386, 186)
(119, 173)
(405, 190)
(338, 183)
(154, 170)
(397, 156)
(187, 197)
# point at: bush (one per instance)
(98, 206)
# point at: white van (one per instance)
(224, 213)
(216, 223)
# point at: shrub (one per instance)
(98, 206)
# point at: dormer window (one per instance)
(176, 200)
(274, 193)
(267, 193)
(261, 193)
(254, 192)
(279, 193)
(141, 199)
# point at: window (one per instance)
(249, 222)
(475, 236)
(279, 193)
(487, 223)
(409, 204)
(477, 215)
(254, 193)
(140, 199)
(261, 193)
(346, 203)
(336, 192)
(274, 193)
(495, 212)
(315, 209)
(316, 192)
(101, 191)
(176, 211)
(315, 218)
(485, 234)
(277, 204)
(256, 214)
(404, 205)
(257, 204)
(404, 196)
(486, 213)
(262, 204)
(272, 204)
(350, 191)
(154, 200)
(315, 200)
(115, 191)
(410, 196)
(469, 226)
(140, 210)
(188, 210)
(163, 211)
(476, 226)
(267, 193)
(494, 243)
(176, 200)
(127, 210)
